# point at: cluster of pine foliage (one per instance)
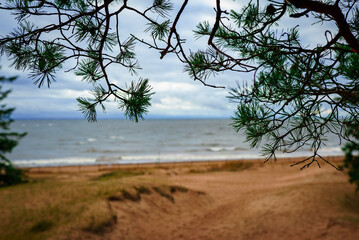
(297, 95)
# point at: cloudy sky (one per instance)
(177, 96)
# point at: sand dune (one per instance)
(272, 201)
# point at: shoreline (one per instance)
(99, 167)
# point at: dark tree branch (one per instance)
(333, 11)
(173, 29)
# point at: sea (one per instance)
(120, 141)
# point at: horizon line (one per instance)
(123, 118)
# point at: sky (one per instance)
(176, 94)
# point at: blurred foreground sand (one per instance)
(265, 201)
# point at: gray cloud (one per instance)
(177, 95)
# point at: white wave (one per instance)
(92, 139)
(216, 149)
(53, 162)
(161, 158)
(185, 157)
(116, 137)
(220, 149)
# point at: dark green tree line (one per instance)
(298, 92)
(8, 140)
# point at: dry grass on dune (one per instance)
(233, 200)
(46, 207)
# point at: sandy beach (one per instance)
(207, 200)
